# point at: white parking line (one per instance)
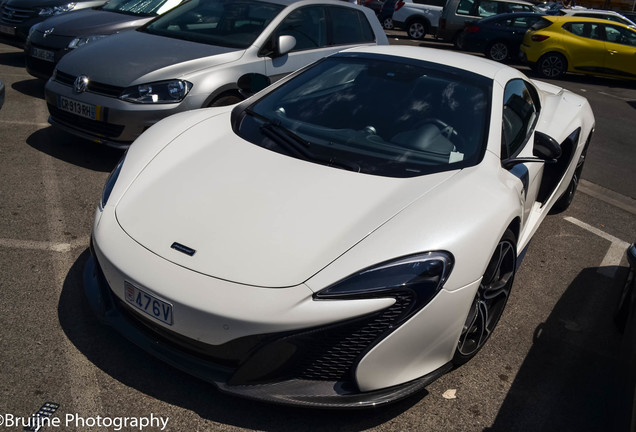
(614, 255)
(85, 393)
(24, 123)
(44, 245)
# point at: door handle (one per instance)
(612, 52)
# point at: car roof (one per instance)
(510, 15)
(574, 18)
(471, 63)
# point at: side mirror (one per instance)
(252, 83)
(545, 148)
(284, 45)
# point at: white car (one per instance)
(418, 17)
(326, 243)
(597, 13)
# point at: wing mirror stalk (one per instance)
(546, 148)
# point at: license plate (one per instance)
(41, 54)
(148, 303)
(7, 30)
(81, 109)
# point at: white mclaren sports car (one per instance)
(343, 237)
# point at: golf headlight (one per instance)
(422, 274)
(79, 41)
(55, 10)
(110, 183)
(172, 91)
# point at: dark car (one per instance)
(499, 36)
(386, 14)
(50, 40)
(376, 5)
(18, 16)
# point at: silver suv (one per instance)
(418, 17)
(457, 13)
(111, 90)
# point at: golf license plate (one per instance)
(148, 303)
(42, 54)
(81, 109)
(7, 30)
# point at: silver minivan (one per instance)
(456, 13)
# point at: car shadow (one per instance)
(567, 381)
(15, 58)
(74, 150)
(114, 355)
(30, 87)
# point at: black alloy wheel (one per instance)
(490, 300)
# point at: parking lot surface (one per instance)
(555, 361)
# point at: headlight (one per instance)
(172, 91)
(55, 10)
(422, 274)
(79, 41)
(110, 183)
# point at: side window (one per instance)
(307, 25)
(487, 8)
(350, 26)
(524, 22)
(586, 30)
(520, 112)
(465, 7)
(620, 35)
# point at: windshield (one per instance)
(140, 7)
(389, 118)
(227, 23)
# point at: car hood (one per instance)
(88, 22)
(134, 57)
(254, 216)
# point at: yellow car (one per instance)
(559, 44)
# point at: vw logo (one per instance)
(81, 84)
(48, 31)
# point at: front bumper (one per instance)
(120, 122)
(288, 367)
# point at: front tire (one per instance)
(498, 51)
(417, 29)
(388, 23)
(490, 300)
(552, 65)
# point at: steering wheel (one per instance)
(447, 131)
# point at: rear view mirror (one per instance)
(546, 147)
(285, 44)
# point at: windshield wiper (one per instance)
(295, 145)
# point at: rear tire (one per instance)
(417, 29)
(498, 51)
